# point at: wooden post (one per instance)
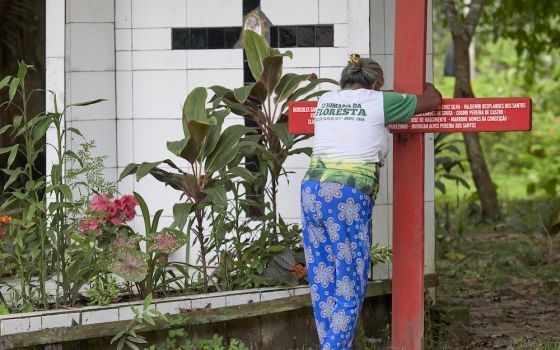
(408, 183)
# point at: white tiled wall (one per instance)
(120, 50)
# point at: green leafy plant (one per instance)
(212, 156)
(448, 164)
(129, 337)
(266, 102)
(103, 292)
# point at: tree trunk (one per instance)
(481, 176)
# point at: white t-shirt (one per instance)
(351, 136)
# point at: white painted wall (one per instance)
(121, 50)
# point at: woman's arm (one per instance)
(429, 100)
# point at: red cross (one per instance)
(464, 114)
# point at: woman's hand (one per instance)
(429, 100)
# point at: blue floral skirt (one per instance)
(337, 239)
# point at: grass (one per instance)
(538, 344)
(504, 276)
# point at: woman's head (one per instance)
(362, 72)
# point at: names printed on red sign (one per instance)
(468, 114)
(455, 115)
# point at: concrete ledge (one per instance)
(58, 326)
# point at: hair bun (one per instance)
(354, 64)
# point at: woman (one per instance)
(340, 187)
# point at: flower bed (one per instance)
(60, 326)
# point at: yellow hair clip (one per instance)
(355, 58)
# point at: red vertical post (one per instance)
(408, 183)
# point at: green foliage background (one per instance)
(522, 164)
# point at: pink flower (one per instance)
(111, 210)
(115, 220)
(120, 204)
(99, 202)
(88, 225)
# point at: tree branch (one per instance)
(455, 24)
(471, 22)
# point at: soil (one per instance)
(509, 285)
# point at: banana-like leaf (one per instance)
(242, 93)
(281, 130)
(195, 108)
(226, 148)
(4, 82)
(289, 83)
(272, 73)
(177, 147)
(181, 212)
(259, 92)
(256, 49)
(128, 170)
(216, 195)
(215, 131)
(145, 168)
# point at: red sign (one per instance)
(455, 115)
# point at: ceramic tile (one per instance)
(333, 11)
(224, 13)
(159, 60)
(161, 14)
(99, 316)
(123, 13)
(60, 320)
(89, 86)
(340, 35)
(151, 39)
(377, 27)
(305, 12)
(159, 94)
(91, 10)
(92, 46)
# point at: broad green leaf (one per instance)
(217, 196)
(197, 132)
(4, 82)
(145, 168)
(243, 173)
(195, 107)
(242, 93)
(272, 73)
(226, 149)
(181, 212)
(289, 83)
(281, 130)
(177, 147)
(256, 49)
(66, 192)
(215, 131)
(128, 170)
(40, 129)
(13, 88)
